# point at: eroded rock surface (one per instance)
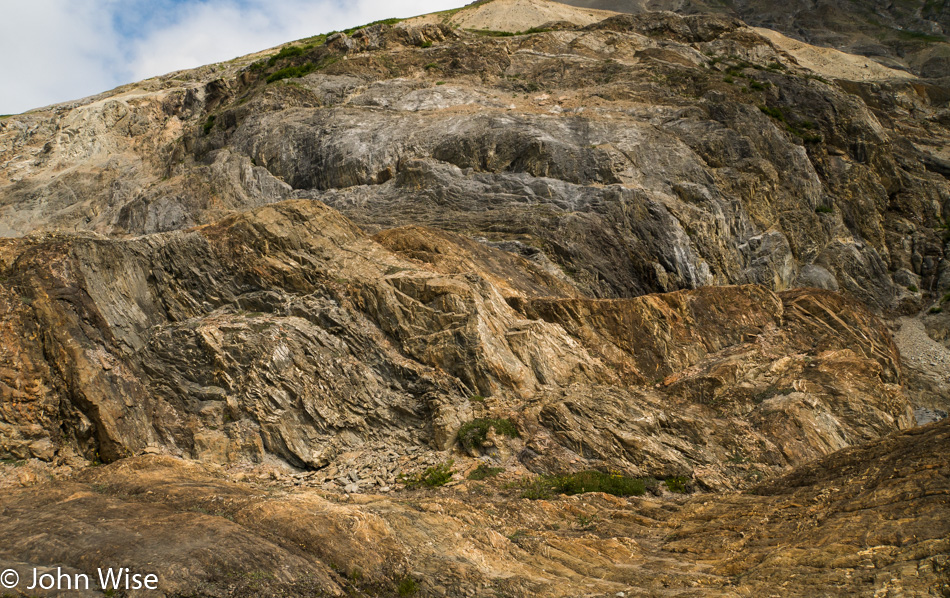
(847, 525)
(639, 154)
(270, 293)
(287, 332)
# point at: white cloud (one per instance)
(55, 50)
(58, 50)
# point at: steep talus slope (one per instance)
(862, 520)
(652, 245)
(512, 15)
(912, 35)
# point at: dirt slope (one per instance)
(832, 63)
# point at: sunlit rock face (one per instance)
(271, 294)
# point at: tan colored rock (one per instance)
(863, 520)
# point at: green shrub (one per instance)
(546, 486)
(936, 310)
(285, 52)
(824, 210)
(390, 21)
(292, 72)
(209, 124)
(426, 44)
(484, 471)
(773, 112)
(729, 79)
(474, 433)
(433, 477)
(912, 288)
(407, 586)
(945, 298)
(917, 35)
(492, 33)
(678, 484)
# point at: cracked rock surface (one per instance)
(246, 313)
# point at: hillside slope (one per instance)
(282, 296)
(913, 35)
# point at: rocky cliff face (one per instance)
(913, 35)
(286, 331)
(655, 246)
(641, 154)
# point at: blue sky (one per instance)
(59, 50)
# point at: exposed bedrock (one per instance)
(287, 331)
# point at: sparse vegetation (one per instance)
(737, 457)
(912, 288)
(352, 30)
(936, 310)
(824, 210)
(292, 72)
(920, 36)
(736, 69)
(285, 52)
(484, 471)
(407, 586)
(817, 78)
(586, 521)
(433, 477)
(495, 33)
(799, 128)
(677, 484)
(547, 486)
(491, 32)
(474, 433)
(209, 124)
